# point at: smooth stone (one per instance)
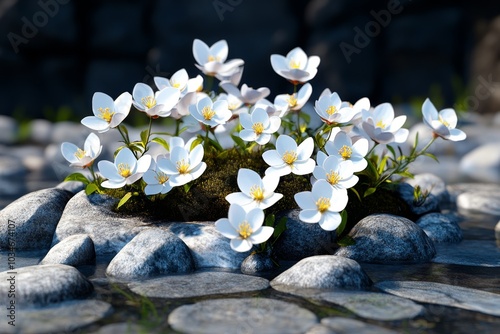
(245, 315)
(478, 253)
(481, 202)
(35, 216)
(349, 326)
(8, 130)
(198, 284)
(46, 284)
(429, 204)
(151, 252)
(431, 184)
(323, 272)
(440, 228)
(444, 294)
(320, 329)
(11, 166)
(32, 157)
(302, 240)
(384, 238)
(482, 163)
(459, 188)
(73, 187)
(41, 131)
(257, 263)
(447, 169)
(75, 250)
(62, 317)
(373, 305)
(22, 259)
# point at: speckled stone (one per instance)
(75, 250)
(440, 228)
(430, 204)
(487, 202)
(256, 263)
(349, 326)
(477, 253)
(432, 184)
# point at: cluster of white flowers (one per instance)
(331, 154)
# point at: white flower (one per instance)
(211, 114)
(286, 102)
(233, 103)
(382, 127)
(258, 126)
(247, 94)
(181, 81)
(442, 123)
(335, 170)
(183, 166)
(288, 158)
(82, 158)
(157, 181)
(232, 76)
(125, 170)
(107, 113)
(322, 205)
(296, 66)
(341, 145)
(157, 104)
(332, 111)
(244, 228)
(269, 107)
(211, 60)
(255, 192)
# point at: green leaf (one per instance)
(136, 146)
(215, 144)
(369, 191)
(382, 164)
(346, 241)
(279, 228)
(144, 138)
(196, 142)
(269, 221)
(162, 142)
(407, 174)
(432, 156)
(77, 177)
(124, 199)
(124, 130)
(187, 186)
(356, 193)
(118, 150)
(238, 141)
(391, 149)
(91, 188)
(343, 223)
(305, 117)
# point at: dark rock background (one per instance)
(79, 47)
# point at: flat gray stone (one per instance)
(198, 284)
(440, 228)
(487, 202)
(444, 294)
(75, 250)
(256, 263)
(350, 326)
(73, 187)
(429, 204)
(323, 272)
(431, 184)
(152, 252)
(384, 238)
(373, 305)
(482, 163)
(62, 317)
(245, 315)
(35, 216)
(44, 284)
(478, 253)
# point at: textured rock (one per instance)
(483, 163)
(480, 201)
(348, 326)
(440, 228)
(432, 184)
(75, 250)
(73, 187)
(459, 188)
(386, 238)
(151, 252)
(301, 240)
(35, 216)
(443, 294)
(429, 204)
(198, 284)
(245, 315)
(256, 263)
(323, 272)
(478, 253)
(45, 284)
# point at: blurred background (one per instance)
(55, 54)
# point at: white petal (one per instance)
(220, 50)
(429, 112)
(241, 245)
(141, 91)
(95, 123)
(248, 135)
(246, 179)
(143, 164)
(196, 155)
(161, 82)
(168, 97)
(305, 200)
(123, 103)
(127, 157)
(304, 167)
(310, 216)
(285, 143)
(224, 227)
(449, 116)
(153, 189)
(305, 149)
(68, 151)
(236, 215)
(109, 171)
(101, 100)
(111, 184)
(272, 158)
(457, 135)
(239, 198)
(330, 221)
(255, 218)
(261, 235)
(200, 51)
(278, 63)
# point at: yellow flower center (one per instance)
(208, 113)
(292, 100)
(380, 124)
(443, 121)
(80, 153)
(294, 64)
(245, 230)
(258, 128)
(289, 157)
(161, 177)
(331, 110)
(212, 58)
(175, 84)
(333, 177)
(232, 106)
(323, 204)
(124, 170)
(106, 114)
(257, 193)
(345, 152)
(182, 166)
(149, 101)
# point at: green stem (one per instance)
(149, 135)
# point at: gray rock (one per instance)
(487, 202)
(384, 238)
(69, 132)
(62, 317)
(11, 166)
(428, 204)
(323, 272)
(483, 163)
(448, 168)
(73, 187)
(31, 156)
(440, 228)
(431, 184)
(75, 250)
(373, 305)
(245, 315)
(459, 188)
(35, 217)
(41, 131)
(256, 263)
(320, 329)
(444, 294)
(478, 253)
(349, 326)
(301, 240)
(8, 130)
(198, 284)
(21, 259)
(44, 284)
(152, 252)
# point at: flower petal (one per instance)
(241, 245)
(261, 235)
(330, 221)
(224, 227)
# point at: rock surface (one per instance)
(431, 184)
(440, 228)
(487, 202)
(256, 263)
(75, 250)
(483, 163)
(429, 204)
(348, 326)
(386, 238)
(478, 253)
(245, 315)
